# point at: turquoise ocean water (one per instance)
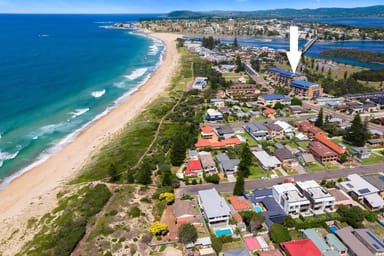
(60, 72)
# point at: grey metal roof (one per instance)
(227, 163)
(352, 242)
(237, 252)
(224, 129)
(376, 181)
(368, 238)
(283, 154)
(214, 205)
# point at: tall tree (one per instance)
(320, 119)
(144, 173)
(358, 133)
(245, 160)
(235, 43)
(187, 234)
(238, 189)
(178, 150)
(239, 64)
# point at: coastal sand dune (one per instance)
(34, 193)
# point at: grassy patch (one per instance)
(251, 141)
(232, 246)
(316, 166)
(376, 228)
(64, 232)
(256, 172)
(373, 159)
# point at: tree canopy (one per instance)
(358, 133)
(238, 189)
(187, 234)
(279, 233)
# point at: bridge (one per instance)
(308, 45)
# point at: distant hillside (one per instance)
(376, 11)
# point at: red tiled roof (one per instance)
(206, 129)
(240, 204)
(202, 143)
(194, 165)
(252, 243)
(320, 149)
(327, 142)
(269, 111)
(301, 248)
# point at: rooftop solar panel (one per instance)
(376, 240)
(364, 191)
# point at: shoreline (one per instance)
(33, 193)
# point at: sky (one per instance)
(165, 6)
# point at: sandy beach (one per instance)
(34, 193)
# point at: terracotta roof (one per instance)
(301, 248)
(240, 203)
(330, 144)
(320, 149)
(183, 208)
(269, 111)
(206, 129)
(202, 143)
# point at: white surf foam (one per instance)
(4, 156)
(46, 154)
(153, 49)
(79, 112)
(98, 94)
(136, 73)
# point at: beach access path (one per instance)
(34, 193)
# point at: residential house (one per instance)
(291, 200)
(192, 154)
(327, 101)
(228, 165)
(219, 103)
(194, 168)
(240, 203)
(274, 130)
(301, 88)
(266, 161)
(207, 132)
(214, 207)
(361, 152)
(370, 240)
(321, 244)
(288, 129)
(207, 162)
(257, 130)
(322, 153)
(297, 110)
(185, 212)
(242, 91)
(270, 208)
(213, 115)
(216, 144)
(286, 157)
(269, 113)
(377, 182)
(309, 129)
(321, 200)
(356, 186)
(237, 252)
(207, 252)
(272, 99)
(300, 248)
(225, 131)
(270, 253)
(371, 107)
(355, 246)
(330, 144)
(200, 83)
(336, 244)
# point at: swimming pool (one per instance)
(258, 208)
(223, 232)
(333, 228)
(381, 222)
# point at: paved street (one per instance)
(253, 184)
(339, 115)
(257, 78)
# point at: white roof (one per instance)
(314, 189)
(214, 112)
(358, 185)
(375, 200)
(214, 205)
(284, 125)
(291, 192)
(265, 159)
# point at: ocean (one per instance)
(58, 73)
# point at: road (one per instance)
(257, 78)
(259, 184)
(345, 117)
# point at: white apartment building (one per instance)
(321, 200)
(291, 200)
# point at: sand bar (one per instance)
(33, 193)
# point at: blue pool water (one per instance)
(333, 229)
(223, 232)
(382, 222)
(258, 209)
